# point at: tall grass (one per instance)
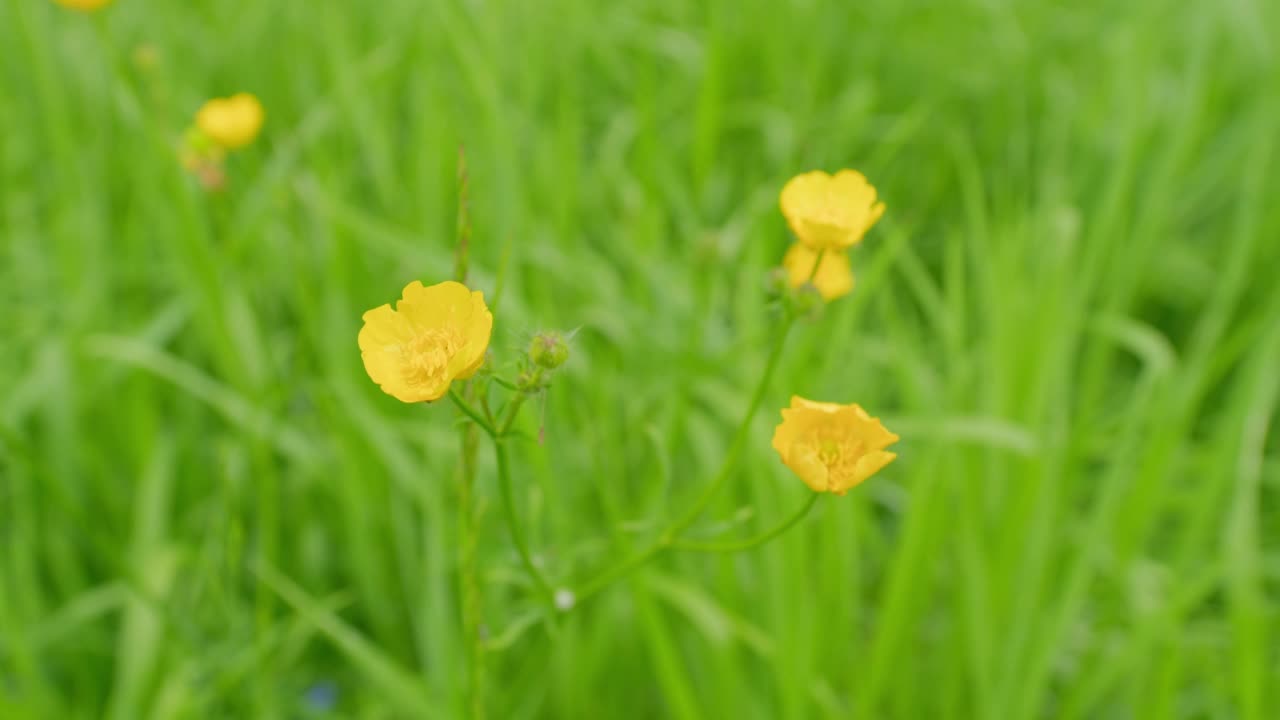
(1070, 313)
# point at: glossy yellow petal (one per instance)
(867, 465)
(808, 466)
(481, 329)
(830, 212)
(380, 340)
(831, 447)
(231, 122)
(835, 274)
(443, 305)
(800, 403)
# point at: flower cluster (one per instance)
(441, 333)
(830, 447)
(221, 125)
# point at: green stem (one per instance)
(470, 411)
(509, 509)
(468, 530)
(513, 408)
(622, 569)
(668, 537)
(748, 543)
(739, 438)
(817, 262)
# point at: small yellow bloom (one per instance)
(834, 278)
(830, 212)
(832, 447)
(435, 335)
(231, 122)
(83, 4)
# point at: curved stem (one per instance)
(509, 509)
(617, 572)
(739, 438)
(668, 537)
(748, 543)
(471, 412)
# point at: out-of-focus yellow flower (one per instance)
(834, 277)
(830, 212)
(231, 122)
(83, 4)
(832, 447)
(435, 335)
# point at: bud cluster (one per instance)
(547, 352)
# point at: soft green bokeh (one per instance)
(1070, 313)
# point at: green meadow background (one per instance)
(1069, 313)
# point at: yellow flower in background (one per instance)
(435, 335)
(830, 212)
(83, 4)
(834, 277)
(231, 122)
(832, 447)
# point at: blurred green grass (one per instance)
(1069, 313)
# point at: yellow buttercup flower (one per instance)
(83, 4)
(435, 335)
(832, 447)
(830, 212)
(834, 277)
(231, 122)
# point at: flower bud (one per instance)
(548, 350)
(777, 284)
(807, 302)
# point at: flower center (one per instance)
(840, 454)
(427, 356)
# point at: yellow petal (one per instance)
(804, 462)
(478, 335)
(835, 273)
(830, 212)
(446, 304)
(868, 429)
(851, 189)
(868, 465)
(83, 4)
(801, 460)
(383, 327)
(805, 195)
(804, 403)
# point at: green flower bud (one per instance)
(807, 302)
(777, 284)
(548, 350)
